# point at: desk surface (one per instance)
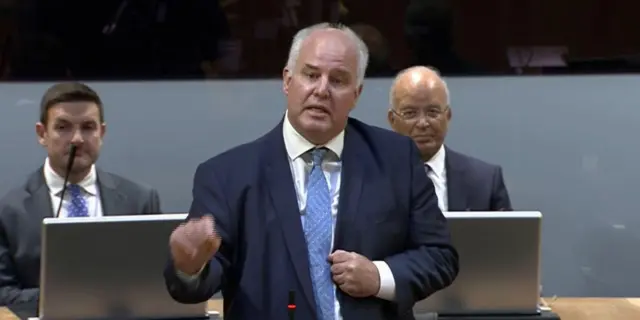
(596, 308)
(567, 308)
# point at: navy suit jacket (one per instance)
(388, 211)
(474, 185)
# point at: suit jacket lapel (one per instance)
(283, 196)
(456, 190)
(354, 165)
(113, 201)
(40, 200)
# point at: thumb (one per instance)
(339, 256)
(208, 221)
(212, 244)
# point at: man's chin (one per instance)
(428, 149)
(81, 164)
(315, 125)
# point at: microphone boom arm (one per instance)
(72, 156)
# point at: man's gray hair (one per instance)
(392, 92)
(363, 51)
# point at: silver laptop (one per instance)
(499, 265)
(109, 267)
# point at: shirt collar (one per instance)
(55, 181)
(297, 145)
(437, 162)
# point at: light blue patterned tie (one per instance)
(78, 205)
(317, 230)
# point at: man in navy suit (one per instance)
(328, 209)
(420, 109)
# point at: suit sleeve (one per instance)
(499, 195)
(11, 291)
(430, 262)
(208, 198)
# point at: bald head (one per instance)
(418, 80)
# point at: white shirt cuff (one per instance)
(190, 280)
(387, 282)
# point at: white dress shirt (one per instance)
(88, 185)
(438, 175)
(297, 147)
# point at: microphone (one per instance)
(291, 307)
(72, 157)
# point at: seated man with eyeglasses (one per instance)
(420, 109)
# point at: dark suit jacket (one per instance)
(474, 185)
(388, 211)
(21, 213)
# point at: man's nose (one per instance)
(77, 137)
(422, 122)
(322, 87)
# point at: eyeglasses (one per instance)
(415, 114)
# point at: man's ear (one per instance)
(41, 133)
(286, 80)
(357, 93)
(390, 117)
(103, 130)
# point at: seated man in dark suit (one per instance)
(420, 109)
(311, 208)
(70, 113)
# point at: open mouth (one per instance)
(317, 110)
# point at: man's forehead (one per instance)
(74, 109)
(430, 93)
(330, 44)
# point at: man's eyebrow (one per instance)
(84, 121)
(310, 66)
(342, 71)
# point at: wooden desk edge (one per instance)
(216, 304)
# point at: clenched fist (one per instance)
(193, 244)
(354, 274)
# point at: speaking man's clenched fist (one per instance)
(193, 244)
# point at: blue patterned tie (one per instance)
(317, 230)
(78, 205)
